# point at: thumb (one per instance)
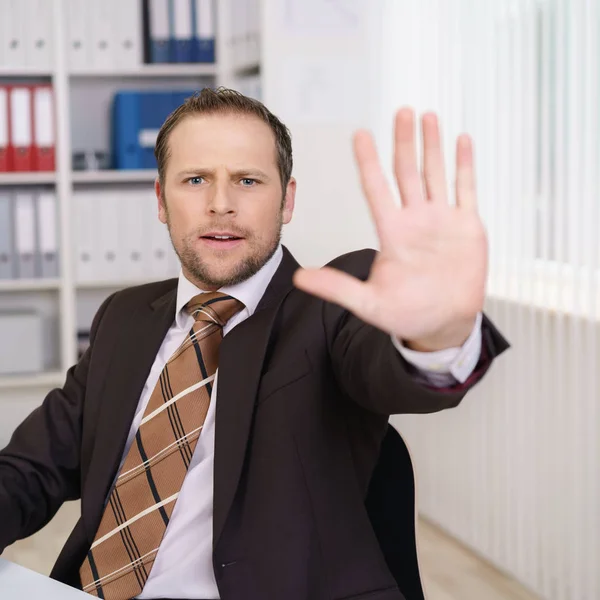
(334, 286)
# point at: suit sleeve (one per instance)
(39, 469)
(375, 375)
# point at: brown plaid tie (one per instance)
(141, 503)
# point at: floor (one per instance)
(450, 571)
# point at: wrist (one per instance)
(452, 337)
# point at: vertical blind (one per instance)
(514, 472)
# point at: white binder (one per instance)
(133, 246)
(107, 218)
(128, 45)
(161, 263)
(14, 17)
(47, 218)
(78, 35)
(7, 260)
(25, 235)
(39, 34)
(102, 16)
(85, 235)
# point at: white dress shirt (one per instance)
(183, 567)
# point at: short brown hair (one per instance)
(226, 101)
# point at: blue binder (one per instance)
(181, 30)
(204, 31)
(155, 107)
(160, 30)
(125, 130)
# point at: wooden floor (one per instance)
(450, 572)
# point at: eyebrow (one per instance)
(240, 173)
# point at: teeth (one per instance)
(223, 237)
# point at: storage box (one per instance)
(20, 343)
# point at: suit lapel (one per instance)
(241, 359)
(133, 356)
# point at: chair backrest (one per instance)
(390, 504)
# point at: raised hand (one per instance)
(427, 283)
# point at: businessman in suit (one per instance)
(223, 428)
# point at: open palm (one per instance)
(427, 283)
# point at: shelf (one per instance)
(20, 72)
(34, 380)
(28, 285)
(115, 176)
(28, 178)
(158, 70)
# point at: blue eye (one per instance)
(195, 180)
(247, 182)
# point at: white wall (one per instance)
(318, 78)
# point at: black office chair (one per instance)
(390, 504)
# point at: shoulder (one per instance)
(357, 262)
(127, 299)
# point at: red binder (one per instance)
(44, 130)
(4, 130)
(20, 148)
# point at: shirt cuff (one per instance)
(457, 363)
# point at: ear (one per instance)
(162, 208)
(290, 200)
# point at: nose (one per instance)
(220, 201)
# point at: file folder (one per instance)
(159, 29)
(20, 128)
(204, 30)
(25, 235)
(133, 244)
(7, 261)
(78, 46)
(84, 235)
(47, 226)
(155, 107)
(182, 31)
(4, 130)
(44, 129)
(126, 127)
(128, 47)
(105, 213)
(14, 21)
(39, 34)
(101, 31)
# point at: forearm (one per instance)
(378, 378)
(39, 469)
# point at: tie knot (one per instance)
(213, 307)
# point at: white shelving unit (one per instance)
(27, 178)
(114, 176)
(68, 293)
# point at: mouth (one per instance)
(223, 241)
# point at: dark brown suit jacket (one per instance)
(313, 496)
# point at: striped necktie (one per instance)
(145, 492)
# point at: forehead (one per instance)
(222, 139)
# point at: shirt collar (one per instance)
(248, 292)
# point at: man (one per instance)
(251, 481)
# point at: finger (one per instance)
(466, 193)
(434, 170)
(334, 286)
(406, 167)
(373, 180)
